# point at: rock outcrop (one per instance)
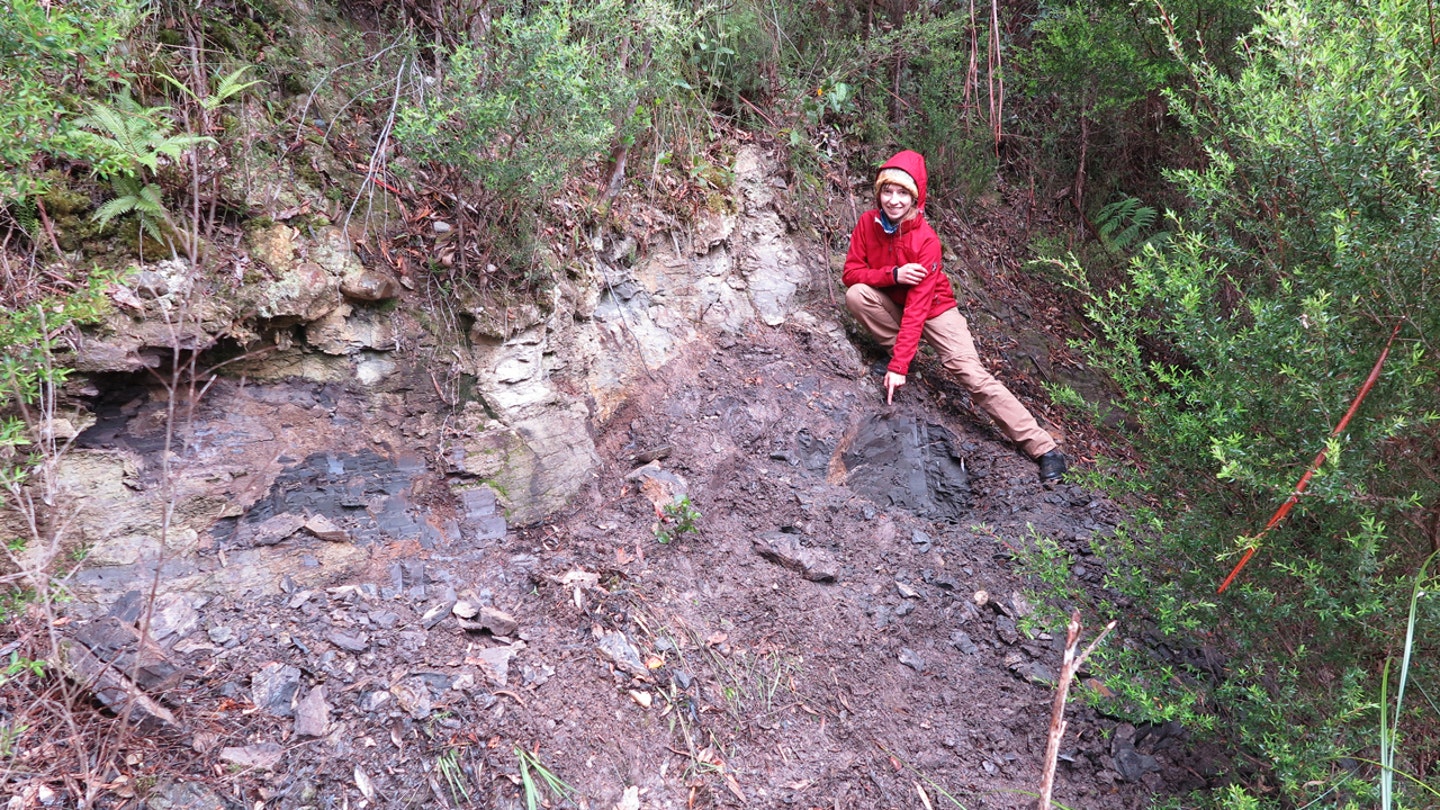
(498, 401)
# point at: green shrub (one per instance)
(549, 93)
(49, 53)
(1085, 95)
(545, 93)
(1240, 344)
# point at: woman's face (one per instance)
(897, 202)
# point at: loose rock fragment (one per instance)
(183, 795)
(963, 643)
(492, 621)
(437, 612)
(276, 530)
(365, 285)
(312, 714)
(118, 644)
(495, 662)
(1032, 671)
(325, 529)
(111, 688)
(661, 487)
(413, 697)
(353, 642)
(175, 616)
(1132, 764)
(1006, 630)
(264, 756)
(653, 454)
(785, 549)
(912, 659)
(274, 687)
(619, 651)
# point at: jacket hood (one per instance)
(913, 164)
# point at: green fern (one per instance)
(229, 86)
(133, 138)
(1123, 225)
(27, 216)
(143, 200)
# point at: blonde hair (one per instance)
(898, 177)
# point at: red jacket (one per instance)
(874, 255)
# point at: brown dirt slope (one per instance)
(836, 624)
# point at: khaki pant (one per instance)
(950, 336)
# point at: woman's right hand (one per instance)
(911, 274)
(892, 381)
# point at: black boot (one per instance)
(1052, 466)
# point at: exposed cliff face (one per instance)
(489, 404)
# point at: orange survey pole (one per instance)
(1314, 465)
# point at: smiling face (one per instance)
(897, 202)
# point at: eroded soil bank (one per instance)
(833, 622)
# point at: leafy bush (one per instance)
(677, 520)
(550, 91)
(48, 52)
(1240, 344)
(1087, 89)
(547, 91)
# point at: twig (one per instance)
(1294, 498)
(314, 91)
(1070, 664)
(376, 155)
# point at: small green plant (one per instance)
(1390, 725)
(131, 141)
(13, 602)
(677, 519)
(131, 138)
(1049, 569)
(535, 791)
(750, 681)
(19, 666)
(141, 199)
(448, 764)
(1126, 226)
(229, 86)
(9, 735)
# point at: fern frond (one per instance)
(150, 201)
(151, 228)
(175, 145)
(114, 208)
(230, 86)
(1122, 224)
(179, 85)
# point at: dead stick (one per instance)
(1069, 665)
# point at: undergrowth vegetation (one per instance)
(1278, 353)
(1248, 219)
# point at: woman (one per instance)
(896, 288)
